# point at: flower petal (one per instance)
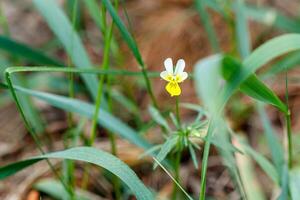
(169, 65)
(179, 67)
(173, 89)
(166, 76)
(181, 77)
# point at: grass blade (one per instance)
(90, 155)
(165, 149)
(28, 53)
(107, 120)
(242, 32)
(205, 19)
(252, 86)
(61, 26)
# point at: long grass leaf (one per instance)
(26, 52)
(242, 32)
(90, 155)
(205, 19)
(61, 26)
(105, 119)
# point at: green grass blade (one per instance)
(246, 168)
(107, 120)
(33, 115)
(252, 86)
(26, 52)
(273, 143)
(295, 183)
(61, 26)
(205, 19)
(124, 32)
(288, 62)
(279, 45)
(158, 118)
(94, 10)
(242, 32)
(166, 149)
(265, 164)
(55, 190)
(90, 155)
(267, 16)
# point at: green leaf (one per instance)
(105, 119)
(264, 15)
(22, 50)
(158, 118)
(246, 168)
(288, 62)
(252, 86)
(90, 155)
(165, 149)
(295, 183)
(262, 55)
(205, 19)
(268, 168)
(273, 143)
(124, 32)
(61, 26)
(56, 190)
(242, 32)
(193, 156)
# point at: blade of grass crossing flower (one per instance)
(61, 26)
(242, 31)
(168, 173)
(90, 155)
(205, 19)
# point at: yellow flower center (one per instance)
(172, 87)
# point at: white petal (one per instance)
(182, 76)
(164, 75)
(179, 66)
(169, 65)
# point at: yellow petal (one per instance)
(173, 88)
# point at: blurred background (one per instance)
(162, 29)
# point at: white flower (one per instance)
(174, 77)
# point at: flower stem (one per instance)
(177, 112)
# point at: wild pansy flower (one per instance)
(174, 77)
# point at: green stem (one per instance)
(288, 123)
(177, 112)
(71, 75)
(205, 162)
